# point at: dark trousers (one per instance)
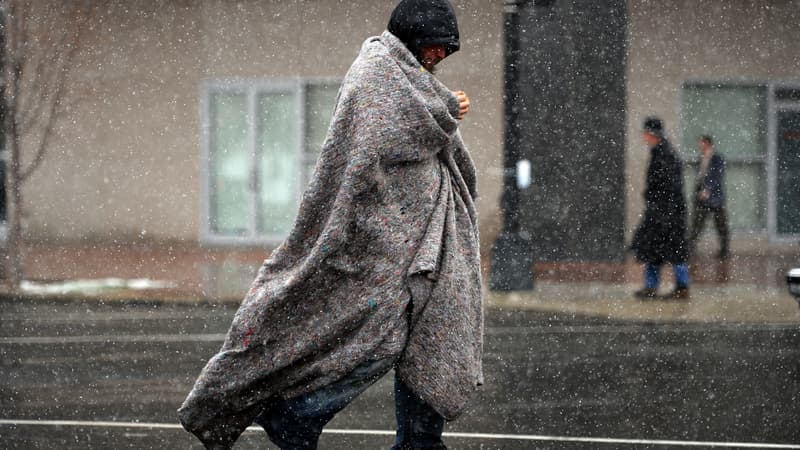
(297, 423)
(720, 215)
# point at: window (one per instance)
(757, 129)
(736, 117)
(260, 143)
(786, 218)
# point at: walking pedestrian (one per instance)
(380, 271)
(709, 198)
(661, 235)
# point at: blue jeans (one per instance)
(297, 423)
(652, 271)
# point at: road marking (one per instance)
(638, 328)
(83, 317)
(489, 436)
(89, 339)
(490, 331)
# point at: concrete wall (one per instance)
(125, 161)
(125, 164)
(678, 40)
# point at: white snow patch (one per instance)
(93, 286)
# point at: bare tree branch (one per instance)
(52, 114)
(14, 72)
(38, 114)
(42, 42)
(30, 113)
(44, 66)
(18, 54)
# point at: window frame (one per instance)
(775, 106)
(251, 88)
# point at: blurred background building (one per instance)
(188, 129)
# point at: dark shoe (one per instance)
(724, 255)
(680, 293)
(646, 294)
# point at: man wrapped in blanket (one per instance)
(380, 271)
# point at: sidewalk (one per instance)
(747, 288)
(734, 303)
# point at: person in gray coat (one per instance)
(709, 197)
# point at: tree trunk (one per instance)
(13, 263)
(14, 238)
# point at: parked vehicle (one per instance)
(793, 281)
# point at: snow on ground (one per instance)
(92, 286)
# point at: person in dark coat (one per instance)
(661, 236)
(710, 197)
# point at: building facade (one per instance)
(195, 124)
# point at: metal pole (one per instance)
(511, 259)
(510, 201)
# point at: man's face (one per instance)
(650, 138)
(430, 55)
(705, 147)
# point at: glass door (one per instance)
(230, 165)
(254, 166)
(787, 179)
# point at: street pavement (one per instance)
(565, 367)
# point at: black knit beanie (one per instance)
(654, 125)
(425, 22)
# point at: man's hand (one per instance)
(703, 195)
(463, 104)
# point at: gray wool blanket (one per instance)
(382, 261)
